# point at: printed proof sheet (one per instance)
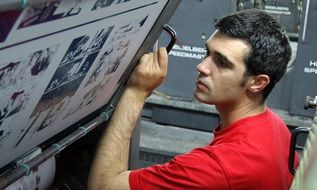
(62, 60)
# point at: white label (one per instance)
(313, 63)
(277, 10)
(188, 52)
(312, 69)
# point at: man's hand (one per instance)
(110, 167)
(150, 72)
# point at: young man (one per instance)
(246, 56)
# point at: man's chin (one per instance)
(200, 97)
(196, 94)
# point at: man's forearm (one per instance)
(113, 152)
(109, 170)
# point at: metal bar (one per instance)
(24, 169)
(305, 177)
(305, 21)
(173, 36)
(292, 149)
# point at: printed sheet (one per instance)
(62, 60)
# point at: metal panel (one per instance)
(185, 118)
(287, 12)
(193, 31)
(306, 61)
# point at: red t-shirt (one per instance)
(251, 153)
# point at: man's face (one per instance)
(221, 77)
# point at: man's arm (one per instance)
(109, 169)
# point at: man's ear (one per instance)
(258, 83)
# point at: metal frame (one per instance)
(293, 147)
(54, 148)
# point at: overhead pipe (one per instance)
(26, 167)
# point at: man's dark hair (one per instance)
(270, 50)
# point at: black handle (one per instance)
(292, 149)
(173, 36)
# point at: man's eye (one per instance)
(220, 61)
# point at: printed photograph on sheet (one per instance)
(6, 132)
(51, 10)
(68, 70)
(108, 63)
(89, 97)
(116, 50)
(106, 3)
(41, 121)
(73, 68)
(18, 79)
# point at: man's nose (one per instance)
(203, 68)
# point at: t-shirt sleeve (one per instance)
(195, 170)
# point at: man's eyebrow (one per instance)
(224, 59)
(221, 56)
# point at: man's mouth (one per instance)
(201, 85)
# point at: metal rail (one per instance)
(25, 168)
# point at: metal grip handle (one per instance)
(173, 36)
(292, 149)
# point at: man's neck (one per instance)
(230, 114)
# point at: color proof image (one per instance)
(17, 80)
(73, 68)
(107, 3)
(49, 11)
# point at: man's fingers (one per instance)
(144, 58)
(163, 58)
(150, 60)
(155, 60)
